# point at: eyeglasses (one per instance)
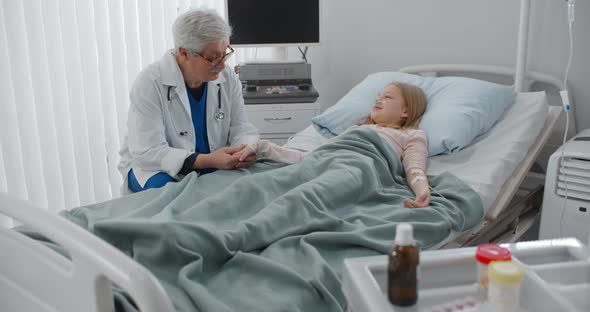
(217, 60)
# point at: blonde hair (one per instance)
(415, 102)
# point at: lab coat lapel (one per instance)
(172, 76)
(183, 96)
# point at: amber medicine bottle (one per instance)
(402, 282)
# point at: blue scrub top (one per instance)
(199, 116)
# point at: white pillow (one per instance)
(458, 109)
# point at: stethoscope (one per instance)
(219, 115)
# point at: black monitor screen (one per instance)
(271, 22)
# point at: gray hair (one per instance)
(195, 29)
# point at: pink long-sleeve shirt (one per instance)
(411, 145)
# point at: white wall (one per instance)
(361, 37)
(550, 42)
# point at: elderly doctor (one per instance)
(187, 111)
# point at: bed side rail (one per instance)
(34, 277)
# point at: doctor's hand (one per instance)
(224, 158)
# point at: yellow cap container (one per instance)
(505, 278)
(505, 272)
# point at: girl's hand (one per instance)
(246, 156)
(422, 200)
(246, 151)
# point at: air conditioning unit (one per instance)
(569, 217)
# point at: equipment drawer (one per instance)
(280, 121)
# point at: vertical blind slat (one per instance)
(170, 12)
(61, 102)
(105, 70)
(132, 40)
(3, 182)
(119, 54)
(5, 222)
(145, 34)
(18, 54)
(93, 99)
(77, 95)
(10, 140)
(41, 83)
(158, 29)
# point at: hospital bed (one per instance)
(35, 278)
(496, 164)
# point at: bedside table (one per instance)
(278, 122)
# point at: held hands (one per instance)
(225, 158)
(246, 156)
(245, 152)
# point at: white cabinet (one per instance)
(277, 122)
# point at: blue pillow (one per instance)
(458, 109)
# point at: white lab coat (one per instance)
(154, 142)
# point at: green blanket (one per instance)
(275, 240)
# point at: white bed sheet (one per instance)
(486, 164)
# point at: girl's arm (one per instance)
(269, 150)
(414, 161)
(419, 184)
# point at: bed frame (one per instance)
(35, 278)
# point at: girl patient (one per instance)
(395, 116)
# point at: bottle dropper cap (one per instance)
(404, 235)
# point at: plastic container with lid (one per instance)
(505, 278)
(485, 254)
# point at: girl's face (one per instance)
(390, 107)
